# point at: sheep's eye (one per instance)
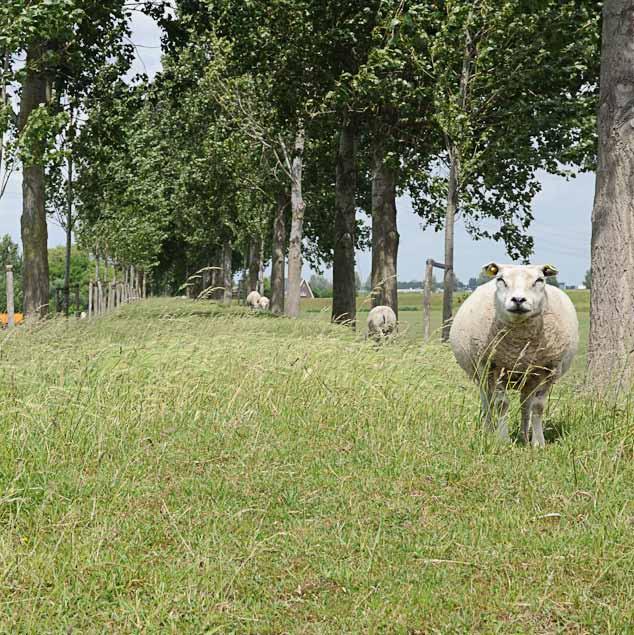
(538, 281)
(503, 281)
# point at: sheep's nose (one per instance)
(518, 299)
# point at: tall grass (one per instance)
(180, 467)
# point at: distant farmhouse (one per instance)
(304, 289)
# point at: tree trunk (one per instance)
(217, 281)
(297, 229)
(33, 222)
(227, 278)
(384, 232)
(612, 295)
(450, 219)
(453, 189)
(4, 98)
(344, 291)
(254, 263)
(260, 287)
(69, 229)
(279, 252)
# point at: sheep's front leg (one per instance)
(538, 405)
(495, 407)
(527, 404)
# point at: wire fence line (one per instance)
(103, 297)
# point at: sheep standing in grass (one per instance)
(516, 332)
(253, 299)
(263, 303)
(381, 322)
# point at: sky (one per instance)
(562, 211)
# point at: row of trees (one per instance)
(276, 128)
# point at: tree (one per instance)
(512, 95)
(344, 297)
(587, 280)
(612, 297)
(64, 43)
(33, 221)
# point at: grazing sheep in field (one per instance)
(516, 332)
(263, 303)
(381, 322)
(253, 299)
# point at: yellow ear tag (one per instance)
(492, 270)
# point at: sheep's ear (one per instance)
(549, 270)
(491, 269)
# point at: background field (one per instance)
(180, 467)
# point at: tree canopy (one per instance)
(256, 100)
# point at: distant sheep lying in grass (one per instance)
(381, 322)
(253, 299)
(263, 303)
(516, 332)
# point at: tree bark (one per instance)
(254, 263)
(612, 294)
(385, 236)
(33, 221)
(450, 219)
(344, 291)
(279, 252)
(297, 228)
(227, 276)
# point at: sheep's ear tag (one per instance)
(549, 270)
(491, 269)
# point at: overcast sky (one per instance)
(561, 228)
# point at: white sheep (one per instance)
(253, 299)
(263, 303)
(381, 322)
(516, 332)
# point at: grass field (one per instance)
(177, 467)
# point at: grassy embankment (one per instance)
(177, 467)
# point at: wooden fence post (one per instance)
(429, 273)
(10, 304)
